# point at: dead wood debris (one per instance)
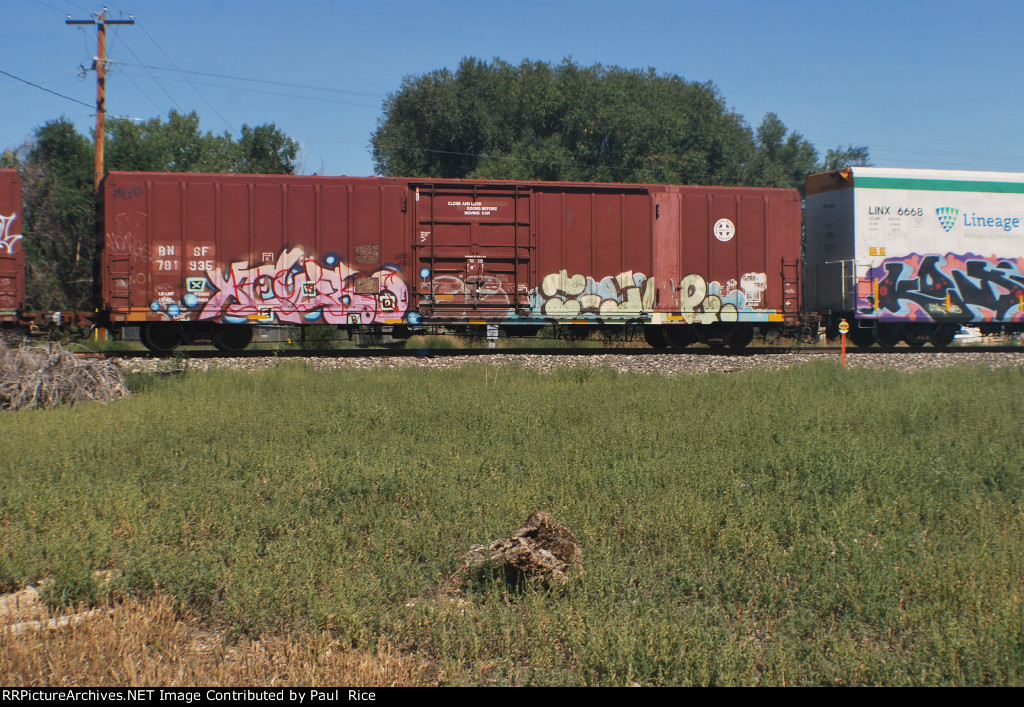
(542, 549)
(45, 375)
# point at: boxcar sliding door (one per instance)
(473, 247)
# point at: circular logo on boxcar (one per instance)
(724, 230)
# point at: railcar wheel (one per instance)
(862, 337)
(944, 334)
(654, 336)
(160, 337)
(888, 335)
(742, 335)
(916, 336)
(678, 336)
(714, 336)
(232, 337)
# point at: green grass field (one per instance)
(810, 526)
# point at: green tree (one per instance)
(560, 122)
(264, 150)
(564, 121)
(59, 217)
(10, 160)
(178, 145)
(781, 158)
(850, 157)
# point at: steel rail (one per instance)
(562, 351)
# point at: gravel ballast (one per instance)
(659, 364)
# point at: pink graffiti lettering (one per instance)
(298, 289)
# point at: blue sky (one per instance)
(923, 84)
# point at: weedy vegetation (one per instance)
(810, 526)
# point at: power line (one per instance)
(287, 84)
(83, 9)
(145, 95)
(949, 153)
(41, 88)
(45, 78)
(159, 85)
(271, 93)
(923, 150)
(226, 123)
(512, 158)
(55, 9)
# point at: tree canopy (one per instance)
(569, 122)
(178, 145)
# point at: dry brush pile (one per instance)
(45, 375)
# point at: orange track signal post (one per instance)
(844, 327)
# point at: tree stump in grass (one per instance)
(542, 549)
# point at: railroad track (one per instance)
(637, 351)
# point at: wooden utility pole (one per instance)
(100, 65)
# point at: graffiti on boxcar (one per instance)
(298, 289)
(483, 289)
(753, 285)
(122, 240)
(937, 287)
(127, 244)
(7, 239)
(703, 302)
(631, 294)
(627, 294)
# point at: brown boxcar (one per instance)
(12, 254)
(194, 256)
(726, 260)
